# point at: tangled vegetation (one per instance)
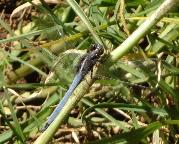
(131, 96)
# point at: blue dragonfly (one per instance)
(85, 65)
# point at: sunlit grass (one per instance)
(135, 100)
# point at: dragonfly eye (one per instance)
(92, 48)
(96, 47)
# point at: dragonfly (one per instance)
(85, 66)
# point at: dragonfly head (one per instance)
(96, 47)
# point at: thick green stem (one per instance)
(80, 91)
(144, 28)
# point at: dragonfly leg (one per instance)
(91, 73)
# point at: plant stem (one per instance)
(142, 30)
(80, 91)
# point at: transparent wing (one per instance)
(62, 65)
